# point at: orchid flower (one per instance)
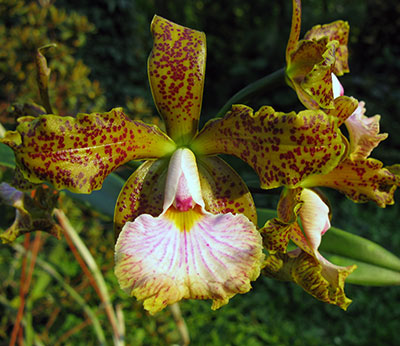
(303, 215)
(313, 63)
(303, 218)
(185, 220)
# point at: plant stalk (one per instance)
(263, 85)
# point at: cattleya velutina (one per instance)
(185, 221)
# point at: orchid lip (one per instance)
(186, 251)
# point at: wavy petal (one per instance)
(363, 132)
(78, 153)
(361, 180)
(143, 193)
(294, 30)
(335, 31)
(320, 278)
(187, 255)
(176, 69)
(303, 60)
(224, 190)
(310, 72)
(318, 82)
(282, 148)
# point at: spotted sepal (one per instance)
(294, 30)
(176, 69)
(78, 153)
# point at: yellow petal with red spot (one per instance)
(223, 189)
(361, 180)
(143, 193)
(176, 69)
(276, 235)
(336, 31)
(317, 83)
(283, 148)
(187, 255)
(309, 71)
(318, 277)
(344, 107)
(78, 153)
(304, 265)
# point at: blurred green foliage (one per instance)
(24, 27)
(246, 41)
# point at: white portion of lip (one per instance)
(337, 87)
(161, 262)
(183, 179)
(314, 216)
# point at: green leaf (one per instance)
(7, 158)
(366, 274)
(341, 243)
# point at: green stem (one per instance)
(91, 263)
(75, 295)
(262, 85)
(180, 323)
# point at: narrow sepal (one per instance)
(282, 148)
(295, 29)
(78, 153)
(176, 69)
(363, 132)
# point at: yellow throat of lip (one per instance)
(184, 220)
